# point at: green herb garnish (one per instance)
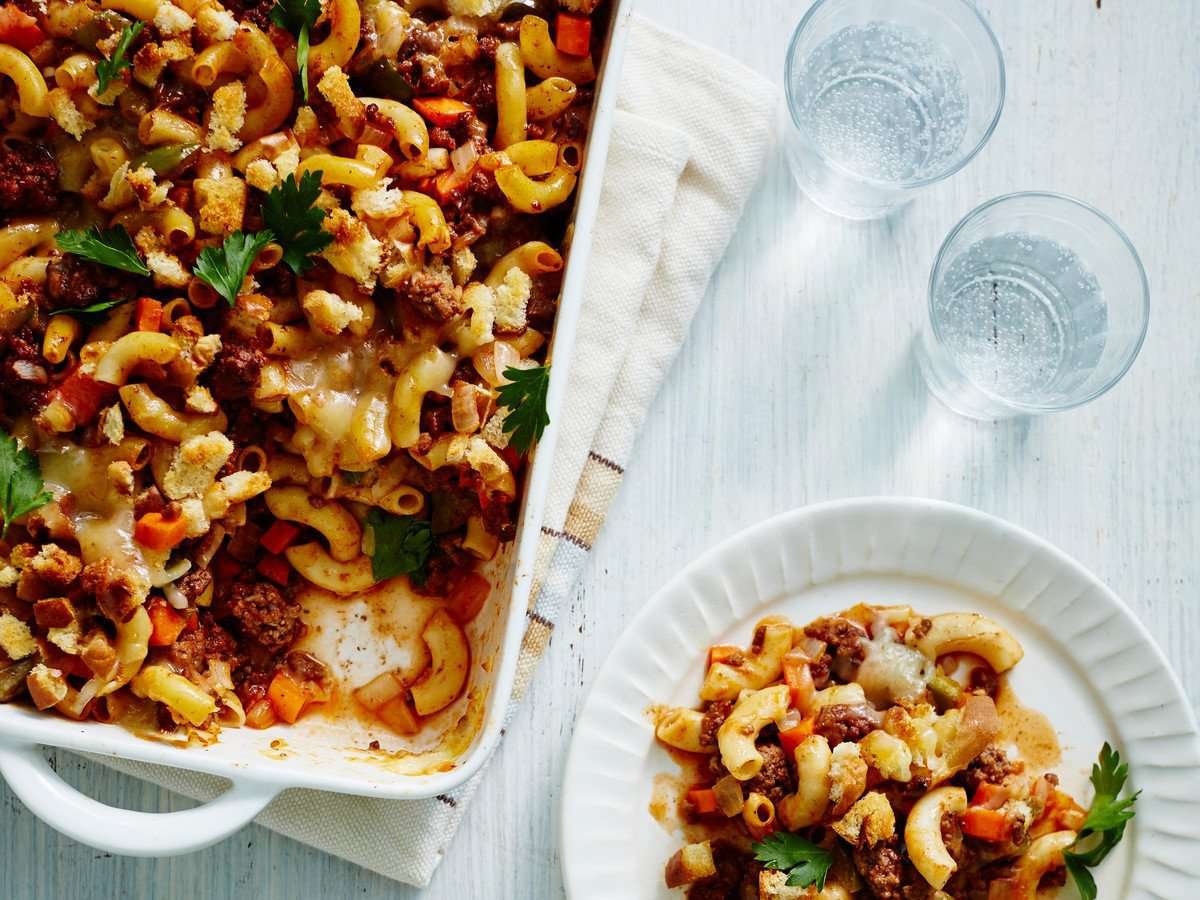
(298, 17)
(289, 211)
(92, 310)
(805, 862)
(108, 246)
(21, 487)
(401, 546)
(107, 69)
(525, 398)
(224, 268)
(1105, 823)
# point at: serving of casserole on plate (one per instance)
(888, 698)
(279, 286)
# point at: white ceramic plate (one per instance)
(1089, 665)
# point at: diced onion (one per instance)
(261, 714)
(171, 573)
(175, 596)
(492, 362)
(812, 648)
(463, 158)
(373, 134)
(209, 546)
(29, 371)
(791, 719)
(730, 798)
(73, 707)
(379, 690)
(464, 408)
(438, 157)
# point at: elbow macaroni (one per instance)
(737, 735)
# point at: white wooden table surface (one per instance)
(798, 385)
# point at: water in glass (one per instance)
(882, 102)
(1023, 317)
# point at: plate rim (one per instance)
(570, 819)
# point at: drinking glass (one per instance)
(1037, 303)
(887, 97)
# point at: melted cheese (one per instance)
(103, 519)
(341, 394)
(892, 671)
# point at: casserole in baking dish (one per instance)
(280, 287)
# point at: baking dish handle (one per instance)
(124, 831)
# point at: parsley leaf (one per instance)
(298, 17)
(1105, 823)
(525, 398)
(806, 863)
(1084, 882)
(111, 247)
(107, 69)
(401, 546)
(288, 211)
(21, 487)
(224, 268)
(90, 310)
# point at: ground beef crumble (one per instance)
(840, 722)
(992, 766)
(736, 876)
(28, 178)
(207, 640)
(263, 614)
(235, 371)
(882, 868)
(775, 779)
(845, 638)
(71, 281)
(24, 379)
(715, 714)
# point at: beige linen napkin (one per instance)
(690, 134)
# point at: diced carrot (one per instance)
(165, 623)
(467, 597)
(450, 183)
(443, 111)
(986, 824)
(798, 677)
(82, 395)
(573, 34)
(703, 800)
(791, 738)
(19, 29)
(148, 315)
(276, 568)
(156, 532)
(990, 796)
(723, 653)
(287, 696)
(1061, 813)
(279, 536)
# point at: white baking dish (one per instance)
(319, 752)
